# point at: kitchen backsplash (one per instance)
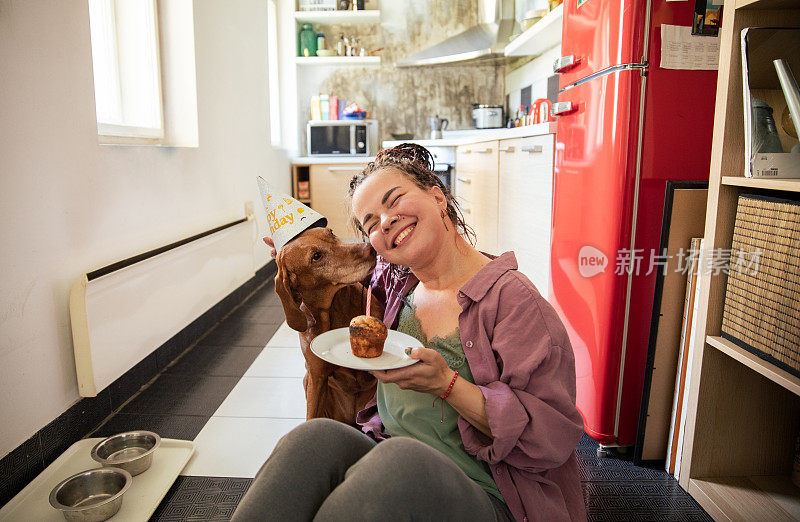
(402, 100)
(533, 80)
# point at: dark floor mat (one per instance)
(202, 498)
(628, 505)
(615, 489)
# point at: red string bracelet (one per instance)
(443, 397)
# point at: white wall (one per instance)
(533, 73)
(69, 205)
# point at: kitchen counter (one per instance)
(465, 137)
(331, 160)
(450, 139)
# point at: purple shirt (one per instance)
(522, 361)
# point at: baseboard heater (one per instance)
(122, 312)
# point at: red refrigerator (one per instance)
(625, 127)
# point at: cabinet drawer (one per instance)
(476, 166)
(462, 187)
(534, 150)
(329, 184)
(525, 205)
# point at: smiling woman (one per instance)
(414, 164)
(494, 354)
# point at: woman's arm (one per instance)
(468, 400)
(432, 375)
(531, 405)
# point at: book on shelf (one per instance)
(333, 107)
(685, 352)
(771, 147)
(316, 112)
(325, 107)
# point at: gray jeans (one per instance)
(328, 471)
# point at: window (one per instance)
(127, 76)
(274, 80)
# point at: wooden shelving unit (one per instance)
(743, 412)
(543, 35)
(785, 185)
(768, 370)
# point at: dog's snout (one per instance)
(369, 251)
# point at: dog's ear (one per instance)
(290, 300)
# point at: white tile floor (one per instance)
(263, 406)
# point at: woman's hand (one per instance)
(430, 375)
(271, 245)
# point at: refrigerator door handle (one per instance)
(560, 108)
(565, 62)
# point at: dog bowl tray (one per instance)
(140, 501)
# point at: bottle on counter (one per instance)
(320, 41)
(519, 121)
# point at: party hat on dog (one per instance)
(286, 217)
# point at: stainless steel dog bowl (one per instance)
(131, 451)
(91, 496)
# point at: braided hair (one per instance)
(416, 162)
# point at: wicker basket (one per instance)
(762, 306)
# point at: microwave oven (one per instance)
(342, 138)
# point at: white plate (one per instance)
(334, 347)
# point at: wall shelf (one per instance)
(787, 185)
(544, 34)
(338, 60)
(338, 17)
(752, 361)
(749, 498)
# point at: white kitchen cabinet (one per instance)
(525, 204)
(476, 190)
(328, 184)
(505, 189)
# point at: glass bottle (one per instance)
(306, 41)
(340, 48)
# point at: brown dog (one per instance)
(319, 284)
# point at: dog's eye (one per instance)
(316, 255)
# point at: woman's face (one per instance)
(404, 222)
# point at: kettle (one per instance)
(540, 110)
(437, 126)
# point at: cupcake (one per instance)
(367, 335)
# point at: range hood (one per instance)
(484, 41)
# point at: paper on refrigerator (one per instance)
(681, 50)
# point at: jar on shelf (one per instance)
(306, 41)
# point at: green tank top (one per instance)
(407, 413)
